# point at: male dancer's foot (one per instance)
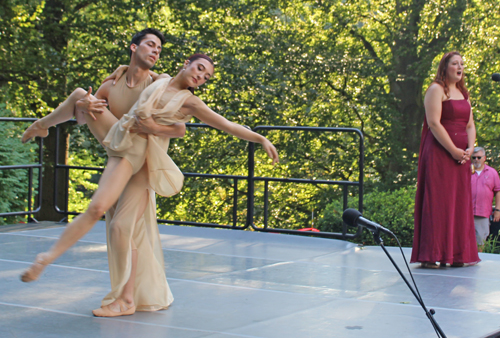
(34, 130)
(35, 270)
(119, 307)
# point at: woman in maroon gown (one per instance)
(444, 221)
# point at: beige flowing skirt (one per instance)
(125, 234)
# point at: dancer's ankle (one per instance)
(35, 270)
(119, 303)
(46, 257)
(129, 300)
(42, 124)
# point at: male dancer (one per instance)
(146, 259)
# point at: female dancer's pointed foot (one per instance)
(118, 308)
(34, 130)
(36, 269)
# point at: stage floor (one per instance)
(244, 284)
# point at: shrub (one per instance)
(391, 209)
(492, 244)
(14, 182)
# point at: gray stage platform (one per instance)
(244, 284)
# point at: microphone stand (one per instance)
(430, 314)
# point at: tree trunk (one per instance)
(55, 32)
(411, 113)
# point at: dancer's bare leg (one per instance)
(64, 112)
(113, 181)
(133, 201)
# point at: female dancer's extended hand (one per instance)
(91, 105)
(271, 151)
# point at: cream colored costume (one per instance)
(124, 234)
(163, 105)
(151, 288)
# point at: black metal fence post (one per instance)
(250, 196)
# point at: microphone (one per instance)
(495, 77)
(353, 217)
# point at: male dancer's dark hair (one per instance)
(137, 38)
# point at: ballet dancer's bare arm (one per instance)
(196, 107)
(149, 126)
(471, 136)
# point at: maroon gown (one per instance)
(444, 221)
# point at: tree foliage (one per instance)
(393, 209)
(339, 63)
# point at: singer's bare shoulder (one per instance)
(435, 87)
(435, 91)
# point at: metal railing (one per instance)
(251, 179)
(30, 168)
(345, 184)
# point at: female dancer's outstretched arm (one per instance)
(196, 107)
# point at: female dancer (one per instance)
(444, 223)
(167, 101)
